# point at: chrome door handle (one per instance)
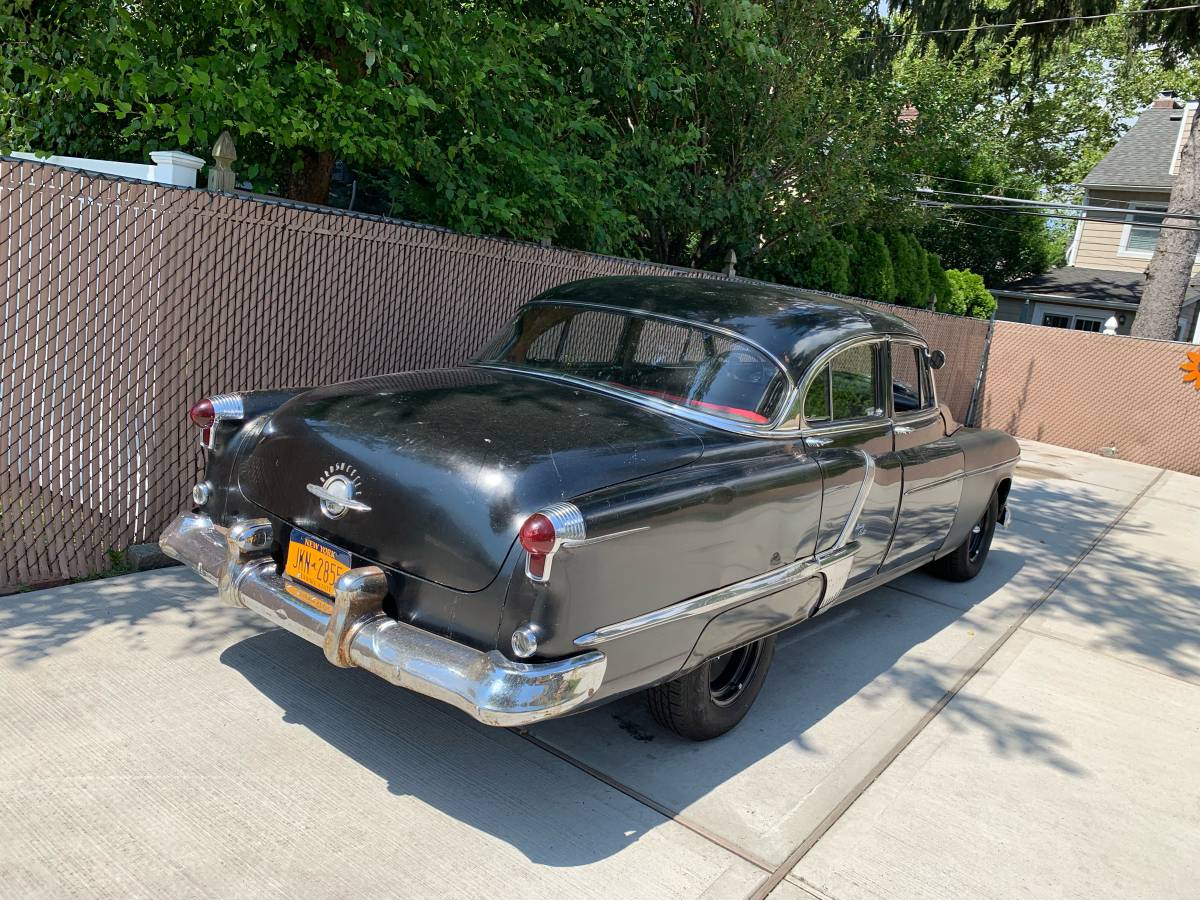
(819, 441)
(903, 429)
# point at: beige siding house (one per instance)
(1106, 265)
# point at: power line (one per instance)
(1060, 19)
(934, 204)
(1080, 207)
(959, 220)
(987, 184)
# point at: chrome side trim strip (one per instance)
(329, 497)
(571, 544)
(860, 500)
(729, 596)
(992, 468)
(959, 475)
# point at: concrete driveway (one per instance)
(1035, 732)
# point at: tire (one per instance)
(967, 559)
(710, 700)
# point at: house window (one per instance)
(1064, 317)
(1142, 229)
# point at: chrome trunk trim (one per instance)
(353, 630)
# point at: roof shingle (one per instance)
(1142, 157)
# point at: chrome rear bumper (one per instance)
(353, 630)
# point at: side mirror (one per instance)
(937, 359)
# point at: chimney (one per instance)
(1166, 100)
(907, 115)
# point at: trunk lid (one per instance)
(450, 462)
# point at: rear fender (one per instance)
(656, 541)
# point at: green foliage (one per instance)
(939, 284)
(969, 295)
(872, 274)
(910, 270)
(824, 265)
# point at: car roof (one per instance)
(793, 325)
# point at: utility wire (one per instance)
(987, 184)
(935, 204)
(1080, 207)
(1024, 24)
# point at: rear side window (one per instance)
(685, 365)
(911, 384)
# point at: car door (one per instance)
(846, 422)
(932, 463)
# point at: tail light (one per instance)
(545, 532)
(207, 411)
(538, 537)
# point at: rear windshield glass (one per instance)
(681, 364)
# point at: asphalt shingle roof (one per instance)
(1142, 157)
(1090, 284)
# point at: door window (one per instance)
(846, 388)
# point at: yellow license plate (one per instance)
(315, 562)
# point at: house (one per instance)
(1106, 264)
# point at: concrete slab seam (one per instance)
(782, 870)
(664, 811)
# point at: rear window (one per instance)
(682, 364)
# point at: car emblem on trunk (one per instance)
(339, 485)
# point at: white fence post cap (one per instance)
(176, 167)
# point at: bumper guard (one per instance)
(354, 631)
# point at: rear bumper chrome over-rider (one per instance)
(353, 630)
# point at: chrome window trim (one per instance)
(774, 428)
(667, 317)
(662, 406)
(814, 369)
(925, 412)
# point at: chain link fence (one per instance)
(123, 302)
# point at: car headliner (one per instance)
(793, 325)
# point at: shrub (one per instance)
(826, 267)
(908, 262)
(871, 272)
(939, 285)
(970, 294)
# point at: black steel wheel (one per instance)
(967, 559)
(714, 697)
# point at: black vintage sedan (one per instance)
(636, 485)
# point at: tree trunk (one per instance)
(311, 183)
(1171, 266)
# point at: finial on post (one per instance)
(731, 264)
(220, 174)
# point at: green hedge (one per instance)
(888, 266)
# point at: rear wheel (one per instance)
(713, 698)
(966, 561)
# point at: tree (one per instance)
(1047, 58)
(1170, 270)
(466, 126)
